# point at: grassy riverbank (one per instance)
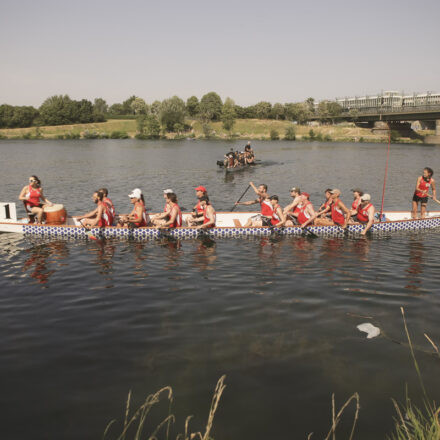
(243, 129)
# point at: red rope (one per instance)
(386, 174)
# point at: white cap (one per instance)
(168, 191)
(135, 193)
(366, 198)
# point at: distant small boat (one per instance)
(221, 165)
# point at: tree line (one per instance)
(167, 115)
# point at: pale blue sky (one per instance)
(279, 51)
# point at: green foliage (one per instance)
(310, 103)
(394, 136)
(297, 112)
(211, 107)
(263, 110)
(60, 110)
(91, 135)
(148, 127)
(172, 111)
(155, 108)
(312, 134)
(228, 114)
(2, 136)
(119, 135)
(274, 135)
(141, 123)
(17, 117)
(207, 130)
(139, 106)
(329, 110)
(361, 139)
(72, 136)
(178, 127)
(116, 110)
(327, 138)
(126, 106)
(290, 134)
(192, 106)
(277, 111)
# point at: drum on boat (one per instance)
(55, 214)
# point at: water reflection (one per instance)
(415, 270)
(103, 251)
(205, 254)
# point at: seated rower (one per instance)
(196, 217)
(340, 214)
(291, 210)
(108, 202)
(327, 202)
(365, 213)
(209, 216)
(278, 218)
(100, 216)
(357, 193)
(263, 219)
(306, 213)
(161, 218)
(175, 214)
(32, 195)
(138, 217)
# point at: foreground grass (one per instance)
(243, 129)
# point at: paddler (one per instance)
(264, 218)
(291, 210)
(196, 217)
(138, 217)
(108, 202)
(161, 218)
(340, 214)
(305, 211)
(421, 193)
(175, 214)
(278, 218)
(100, 216)
(357, 194)
(365, 213)
(32, 195)
(208, 211)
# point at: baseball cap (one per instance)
(168, 191)
(366, 198)
(135, 193)
(296, 189)
(307, 195)
(335, 191)
(357, 190)
(201, 188)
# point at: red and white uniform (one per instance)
(266, 207)
(356, 204)
(111, 207)
(33, 197)
(337, 215)
(423, 186)
(207, 219)
(362, 213)
(143, 220)
(303, 216)
(178, 220)
(106, 217)
(275, 218)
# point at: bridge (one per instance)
(381, 119)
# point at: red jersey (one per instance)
(337, 215)
(178, 220)
(206, 219)
(266, 207)
(111, 207)
(33, 195)
(303, 216)
(423, 186)
(356, 203)
(106, 217)
(275, 219)
(199, 208)
(143, 220)
(362, 213)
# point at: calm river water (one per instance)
(83, 322)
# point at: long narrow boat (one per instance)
(228, 225)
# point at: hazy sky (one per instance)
(274, 50)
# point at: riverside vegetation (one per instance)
(411, 422)
(60, 117)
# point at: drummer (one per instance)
(32, 195)
(100, 217)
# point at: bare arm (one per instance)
(250, 202)
(99, 211)
(22, 195)
(210, 213)
(136, 214)
(173, 215)
(42, 197)
(281, 215)
(346, 212)
(434, 192)
(370, 220)
(88, 215)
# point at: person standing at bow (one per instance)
(264, 218)
(421, 193)
(32, 195)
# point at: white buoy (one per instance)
(370, 329)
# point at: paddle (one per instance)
(240, 198)
(89, 233)
(431, 197)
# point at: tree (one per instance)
(211, 107)
(82, 111)
(274, 135)
(310, 102)
(277, 111)
(263, 109)
(155, 108)
(15, 116)
(58, 110)
(152, 126)
(116, 109)
(193, 106)
(172, 111)
(126, 105)
(139, 106)
(290, 134)
(100, 109)
(297, 112)
(228, 114)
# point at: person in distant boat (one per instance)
(209, 217)
(365, 213)
(175, 214)
(249, 155)
(421, 193)
(291, 210)
(278, 218)
(108, 202)
(32, 195)
(196, 218)
(264, 218)
(138, 217)
(229, 159)
(100, 216)
(357, 194)
(340, 214)
(305, 212)
(161, 218)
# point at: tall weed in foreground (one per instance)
(134, 427)
(413, 423)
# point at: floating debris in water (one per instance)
(370, 329)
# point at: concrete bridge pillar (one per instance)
(381, 128)
(437, 127)
(436, 138)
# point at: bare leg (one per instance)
(414, 210)
(423, 210)
(38, 212)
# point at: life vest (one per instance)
(275, 219)
(178, 220)
(106, 216)
(207, 219)
(362, 213)
(143, 220)
(356, 204)
(337, 215)
(266, 207)
(199, 208)
(303, 216)
(423, 186)
(33, 195)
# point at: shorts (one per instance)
(29, 208)
(423, 200)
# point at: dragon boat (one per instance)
(229, 224)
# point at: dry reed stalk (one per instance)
(336, 419)
(401, 417)
(220, 387)
(433, 344)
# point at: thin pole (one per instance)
(386, 174)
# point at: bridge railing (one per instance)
(390, 109)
